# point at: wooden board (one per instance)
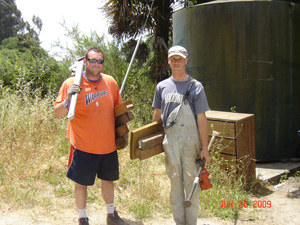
(122, 130)
(123, 108)
(121, 142)
(245, 145)
(226, 116)
(226, 129)
(223, 145)
(149, 153)
(140, 133)
(151, 141)
(124, 118)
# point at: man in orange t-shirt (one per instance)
(92, 133)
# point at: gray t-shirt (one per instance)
(169, 94)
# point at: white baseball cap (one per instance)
(178, 50)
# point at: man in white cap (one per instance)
(180, 102)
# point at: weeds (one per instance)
(227, 188)
(296, 175)
(284, 177)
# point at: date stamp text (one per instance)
(246, 204)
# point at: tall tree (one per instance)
(10, 19)
(12, 23)
(128, 18)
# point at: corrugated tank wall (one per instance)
(247, 54)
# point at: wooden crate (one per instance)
(237, 137)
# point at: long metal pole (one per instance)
(130, 64)
(134, 53)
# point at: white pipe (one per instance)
(78, 74)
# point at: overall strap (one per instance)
(185, 99)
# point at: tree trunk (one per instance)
(163, 34)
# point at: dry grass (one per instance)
(32, 149)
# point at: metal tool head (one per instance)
(187, 203)
(200, 161)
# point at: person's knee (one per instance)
(80, 187)
(107, 183)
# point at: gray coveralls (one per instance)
(182, 147)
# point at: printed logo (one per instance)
(93, 96)
(173, 97)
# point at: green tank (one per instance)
(247, 55)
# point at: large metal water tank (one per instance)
(247, 55)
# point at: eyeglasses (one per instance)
(101, 61)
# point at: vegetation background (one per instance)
(34, 150)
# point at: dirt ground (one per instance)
(284, 209)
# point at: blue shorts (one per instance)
(85, 166)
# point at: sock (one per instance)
(82, 213)
(110, 208)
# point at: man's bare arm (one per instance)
(156, 115)
(60, 111)
(203, 130)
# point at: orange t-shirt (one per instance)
(93, 128)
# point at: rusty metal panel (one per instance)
(247, 54)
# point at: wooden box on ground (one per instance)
(237, 138)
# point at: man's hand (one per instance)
(72, 90)
(205, 154)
